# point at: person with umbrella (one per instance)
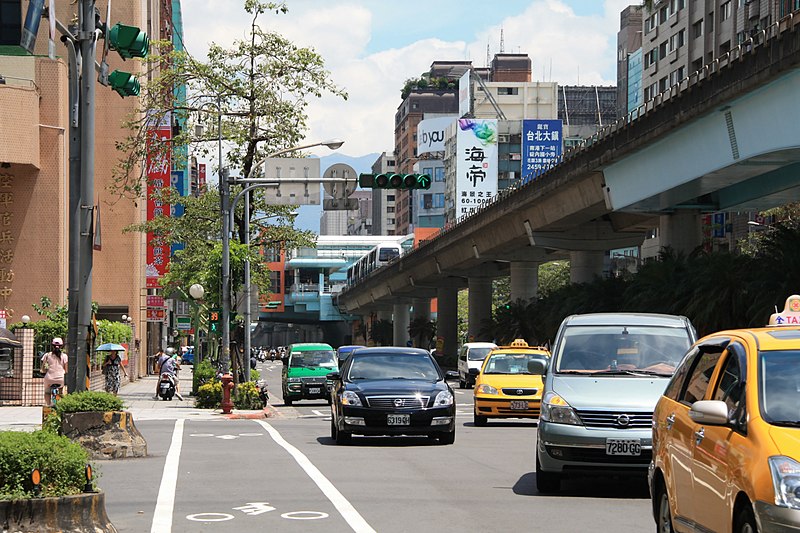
(111, 368)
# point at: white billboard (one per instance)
(476, 164)
(464, 94)
(430, 134)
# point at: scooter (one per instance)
(263, 393)
(166, 386)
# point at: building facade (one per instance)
(384, 200)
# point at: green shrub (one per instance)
(203, 372)
(78, 402)
(246, 396)
(255, 375)
(60, 461)
(209, 395)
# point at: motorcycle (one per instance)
(263, 393)
(166, 386)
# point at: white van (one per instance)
(471, 355)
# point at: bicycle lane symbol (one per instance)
(253, 509)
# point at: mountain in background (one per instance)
(309, 215)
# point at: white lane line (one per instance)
(162, 518)
(345, 508)
(318, 412)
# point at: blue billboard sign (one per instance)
(542, 142)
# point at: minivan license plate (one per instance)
(519, 405)
(314, 390)
(623, 447)
(398, 420)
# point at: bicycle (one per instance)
(56, 393)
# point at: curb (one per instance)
(83, 513)
(267, 412)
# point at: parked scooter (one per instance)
(166, 386)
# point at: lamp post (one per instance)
(196, 291)
(333, 144)
(126, 319)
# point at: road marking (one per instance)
(210, 517)
(345, 508)
(304, 515)
(162, 518)
(255, 508)
(318, 412)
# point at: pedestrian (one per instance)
(111, 368)
(54, 367)
(157, 361)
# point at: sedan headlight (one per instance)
(485, 388)
(443, 399)
(351, 398)
(555, 409)
(786, 481)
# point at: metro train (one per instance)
(382, 254)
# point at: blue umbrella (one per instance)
(110, 347)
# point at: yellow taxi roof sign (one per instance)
(519, 343)
(790, 316)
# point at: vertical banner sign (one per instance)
(541, 146)
(201, 178)
(32, 19)
(718, 225)
(476, 164)
(158, 178)
(464, 94)
(179, 183)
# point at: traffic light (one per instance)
(124, 83)
(128, 41)
(390, 180)
(213, 321)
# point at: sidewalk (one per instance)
(138, 400)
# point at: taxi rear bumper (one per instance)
(774, 519)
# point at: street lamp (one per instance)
(196, 291)
(333, 144)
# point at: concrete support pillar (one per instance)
(422, 308)
(682, 231)
(585, 266)
(447, 321)
(401, 317)
(524, 280)
(480, 306)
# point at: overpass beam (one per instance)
(682, 230)
(524, 280)
(400, 318)
(585, 266)
(447, 321)
(480, 305)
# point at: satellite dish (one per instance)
(347, 184)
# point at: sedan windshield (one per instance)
(392, 366)
(311, 359)
(511, 363)
(621, 350)
(779, 382)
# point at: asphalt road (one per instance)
(286, 474)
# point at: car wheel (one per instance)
(546, 482)
(745, 521)
(664, 516)
(342, 437)
(478, 420)
(447, 438)
(287, 401)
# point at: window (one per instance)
(675, 385)
(662, 84)
(724, 48)
(725, 11)
(662, 49)
(697, 64)
(700, 375)
(427, 201)
(438, 199)
(390, 209)
(507, 91)
(697, 29)
(438, 174)
(275, 281)
(649, 23)
(10, 22)
(681, 38)
(730, 388)
(650, 57)
(710, 23)
(390, 197)
(663, 14)
(428, 171)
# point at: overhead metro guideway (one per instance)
(723, 139)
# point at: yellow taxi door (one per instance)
(679, 457)
(718, 451)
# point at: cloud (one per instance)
(564, 47)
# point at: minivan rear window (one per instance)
(621, 349)
(478, 354)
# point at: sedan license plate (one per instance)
(519, 405)
(314, 390)
(623, 447)
(398, 420)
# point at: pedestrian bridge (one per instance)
(725, 138)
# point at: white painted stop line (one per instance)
(345, 508)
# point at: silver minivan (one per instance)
(606, 373)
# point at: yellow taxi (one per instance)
(726, 433)
(509, 383)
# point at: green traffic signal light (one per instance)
(124, 83)
(423, 181)
(128, 41)
(390, 180)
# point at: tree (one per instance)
(382, 332)
(422, 332)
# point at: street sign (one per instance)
(183, 323)
(292, 192)
(155, 301)
(156, 315)
(340, 189)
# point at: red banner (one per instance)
(156, 315)
(201, 177)
(158, 178)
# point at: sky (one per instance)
(371, 47)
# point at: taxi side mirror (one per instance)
(710, 412)
(537, 366)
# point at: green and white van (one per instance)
(305, 370)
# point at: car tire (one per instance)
(546, 482)
(287, 401)
(342, 437)
(447, 438)
(663, 512)
(745, 520)
(478, 420)
(461, 383)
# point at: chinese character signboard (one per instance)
(476, 164)
(156, 315)
(201, 177)
(155, 301)
(158, 179)
(541, 146)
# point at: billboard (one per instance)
(158, 165)
(476, 164)
(430, 134)
(464, 95)
(541, 146)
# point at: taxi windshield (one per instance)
(621, 350)
(511, 363)
(779, 380)
(315, 358)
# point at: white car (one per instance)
(471, 355)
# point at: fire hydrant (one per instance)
(227, 387)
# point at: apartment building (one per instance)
(383, 200)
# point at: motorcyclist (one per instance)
(167, 364)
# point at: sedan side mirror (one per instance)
(537, 366)
(710, 412)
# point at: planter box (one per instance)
(83, 513)
(105, 435)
